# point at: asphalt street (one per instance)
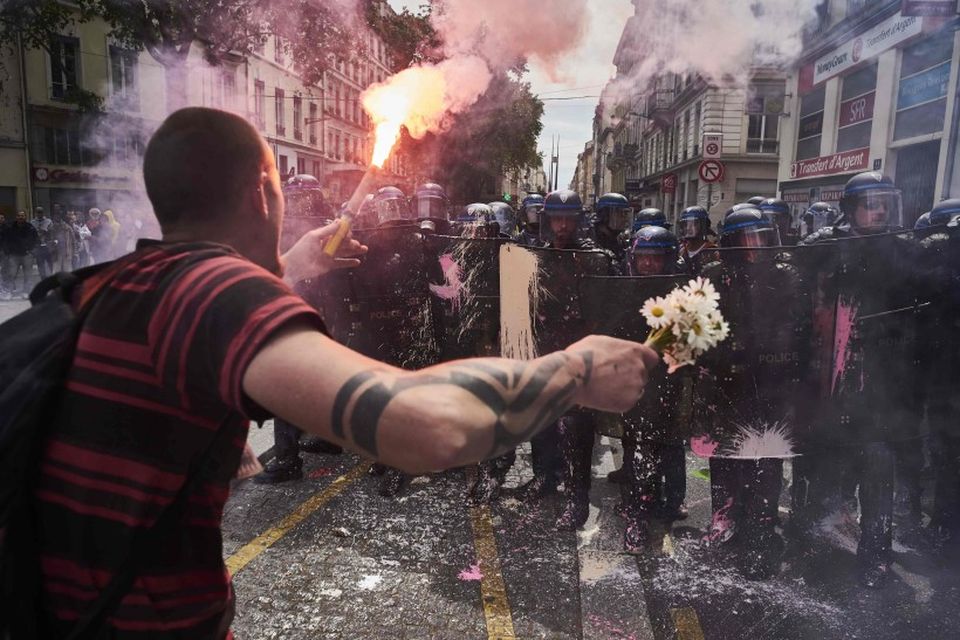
(327, 557)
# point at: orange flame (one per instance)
(420, 98)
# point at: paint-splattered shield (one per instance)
(751, 391)
(467, 294)
(384, 308)
(868, 310)
(611, 306)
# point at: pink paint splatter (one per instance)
(703, 446)
(846, 317)
(472, 574)
(721, 527)
(320, 473)
(611, 628)
(453, 274)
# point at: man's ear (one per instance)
(257, 196)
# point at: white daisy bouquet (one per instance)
(685, 323)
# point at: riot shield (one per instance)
(467, 295)
(868, 314)
(384, 308)
(611, 306)
(753, 387)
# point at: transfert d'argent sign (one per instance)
(845, 162)
(866, 45)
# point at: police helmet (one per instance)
(505, 217)
(613, 210)
(871, 202)
(694, 223)
(747, 227)
(563, 203)
(756, 200)
(429, 201)
(650, 216)
(944, 211)
(477, 213)
(653, 251)
(531, 207)
(390, 206)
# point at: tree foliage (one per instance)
(496, 136)
(410, 37)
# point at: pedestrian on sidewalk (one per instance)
(19, 241)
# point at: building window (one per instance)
(922, 91)
(278, 101)
(696, 129)
(316, 168)
(811, 124)
(336, 147)
(123, 77)
(301, 165)
(278, 50)
(313, 123)
(336, 101)
(298, 118)
(282, 165)
(260, 104)
(763, 133)
(855, 119)
(64, 62)
(59, 146)
(329, 150)
(228, 85)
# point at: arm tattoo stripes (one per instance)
(508, 390)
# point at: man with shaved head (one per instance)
(191, 337)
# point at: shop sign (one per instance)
(924, 87)
(796, 197)
(831, 194)
(866, 45)
(853, 160)
(669, 183)
(857, 110)
(937, 8)
(45, 174)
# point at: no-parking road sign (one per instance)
(711, 171)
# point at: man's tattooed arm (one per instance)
(500, 403)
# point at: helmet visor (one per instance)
(649, 262)
(427, 207)
(692, 228)
(754, 238)
(878, 210)
(389, 210)
(531, 212)
(618, 218)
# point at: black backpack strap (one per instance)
(144, 540)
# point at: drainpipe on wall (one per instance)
(26, 130)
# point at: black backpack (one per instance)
(36, 352)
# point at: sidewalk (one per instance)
(10, 308)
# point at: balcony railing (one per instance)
(757, 145)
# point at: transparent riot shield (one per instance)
(384, 308)
(466, 296)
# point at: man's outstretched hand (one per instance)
(616, 371)
(306, 259)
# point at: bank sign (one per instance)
(866, 45)
(845, 162)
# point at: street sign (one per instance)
(669, 183)
(712, 146)
(711, 171)
(715, 198)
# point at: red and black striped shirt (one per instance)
(158, 370)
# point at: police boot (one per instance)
(319, 445)
(281, 470)
(622, 475)
(392, 482)
(575, 513)
(486, 487)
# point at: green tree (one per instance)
(494, 137)
(410, 37)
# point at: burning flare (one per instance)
(422, 98)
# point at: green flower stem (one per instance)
(660, 339)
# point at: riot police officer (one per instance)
(610, 221)
(817, 216)
(779, 213)
(505, 218)
(697, 248)
(875, 402)
(390, 207)
(429, 205)
(530, 211)
(649, 216)
(754, 387)
(654, 464)
(756, 201)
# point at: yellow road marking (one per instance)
(687, 623)
(493, 591)
(265, 540)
